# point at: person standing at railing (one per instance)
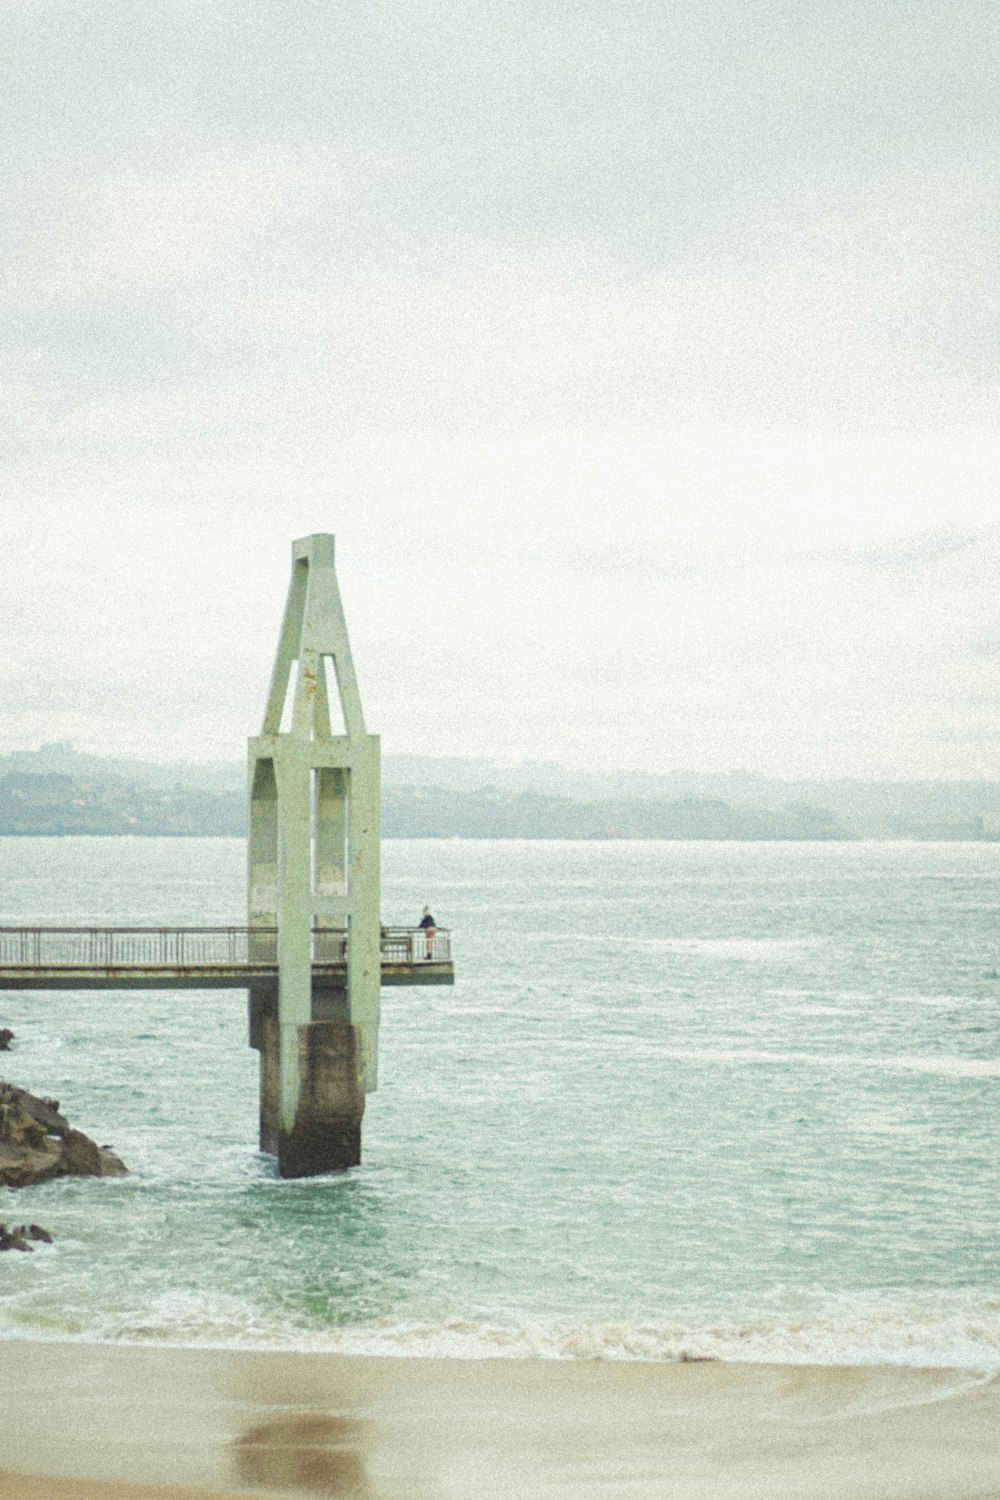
(429, 925)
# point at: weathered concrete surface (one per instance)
(326, 1134)
(334, 1101)
(37, 1142)
(329, 1003)
(268, 1044)
(262, 1001)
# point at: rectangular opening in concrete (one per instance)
(329, 833)
(285, 724)
(335, 705)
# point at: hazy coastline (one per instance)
(57, 790)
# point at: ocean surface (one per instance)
(684, 1099)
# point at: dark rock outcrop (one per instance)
(17, 1238)
(6, 1037)
(37, 1142)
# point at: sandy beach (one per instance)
(83, 1421)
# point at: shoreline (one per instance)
(83, 1421)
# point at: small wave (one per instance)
(739, 948)
(944, 1067)
(948, 1343)
(815, 1008)
(939, 1002)
(959, 1341)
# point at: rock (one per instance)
(17, 1238)
(13, 1239)
(37, 1142)
(6, 1037)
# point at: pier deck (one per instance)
(198, 958)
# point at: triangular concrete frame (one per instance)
(313, 865)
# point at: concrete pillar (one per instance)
(331, 1081)
(263, 1014)
(325, 1135)
(314, 868)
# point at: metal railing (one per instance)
(187, 947)
(136, 947)
(409, 945)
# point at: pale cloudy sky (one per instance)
(642, 356)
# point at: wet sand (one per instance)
(95, 1422)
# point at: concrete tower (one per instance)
(314, 875)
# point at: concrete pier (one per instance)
(325, 1134)
(314, 954)
(204, 958)
(314, 798)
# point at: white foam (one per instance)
(945, 1343)
(963, 1339)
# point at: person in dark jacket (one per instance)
(429, 925)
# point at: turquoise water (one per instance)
(733, 1099)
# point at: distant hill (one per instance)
(869, 809)
(60, 758)
(59, 790)
(54, 803)
(437, 812)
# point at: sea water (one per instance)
(684, 1099)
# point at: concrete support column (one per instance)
(264, 1036)
(294, 919)
(270, 1083)
(314, 862)
(364, 881)
(325, 1135)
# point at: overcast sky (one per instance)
(643, 357)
